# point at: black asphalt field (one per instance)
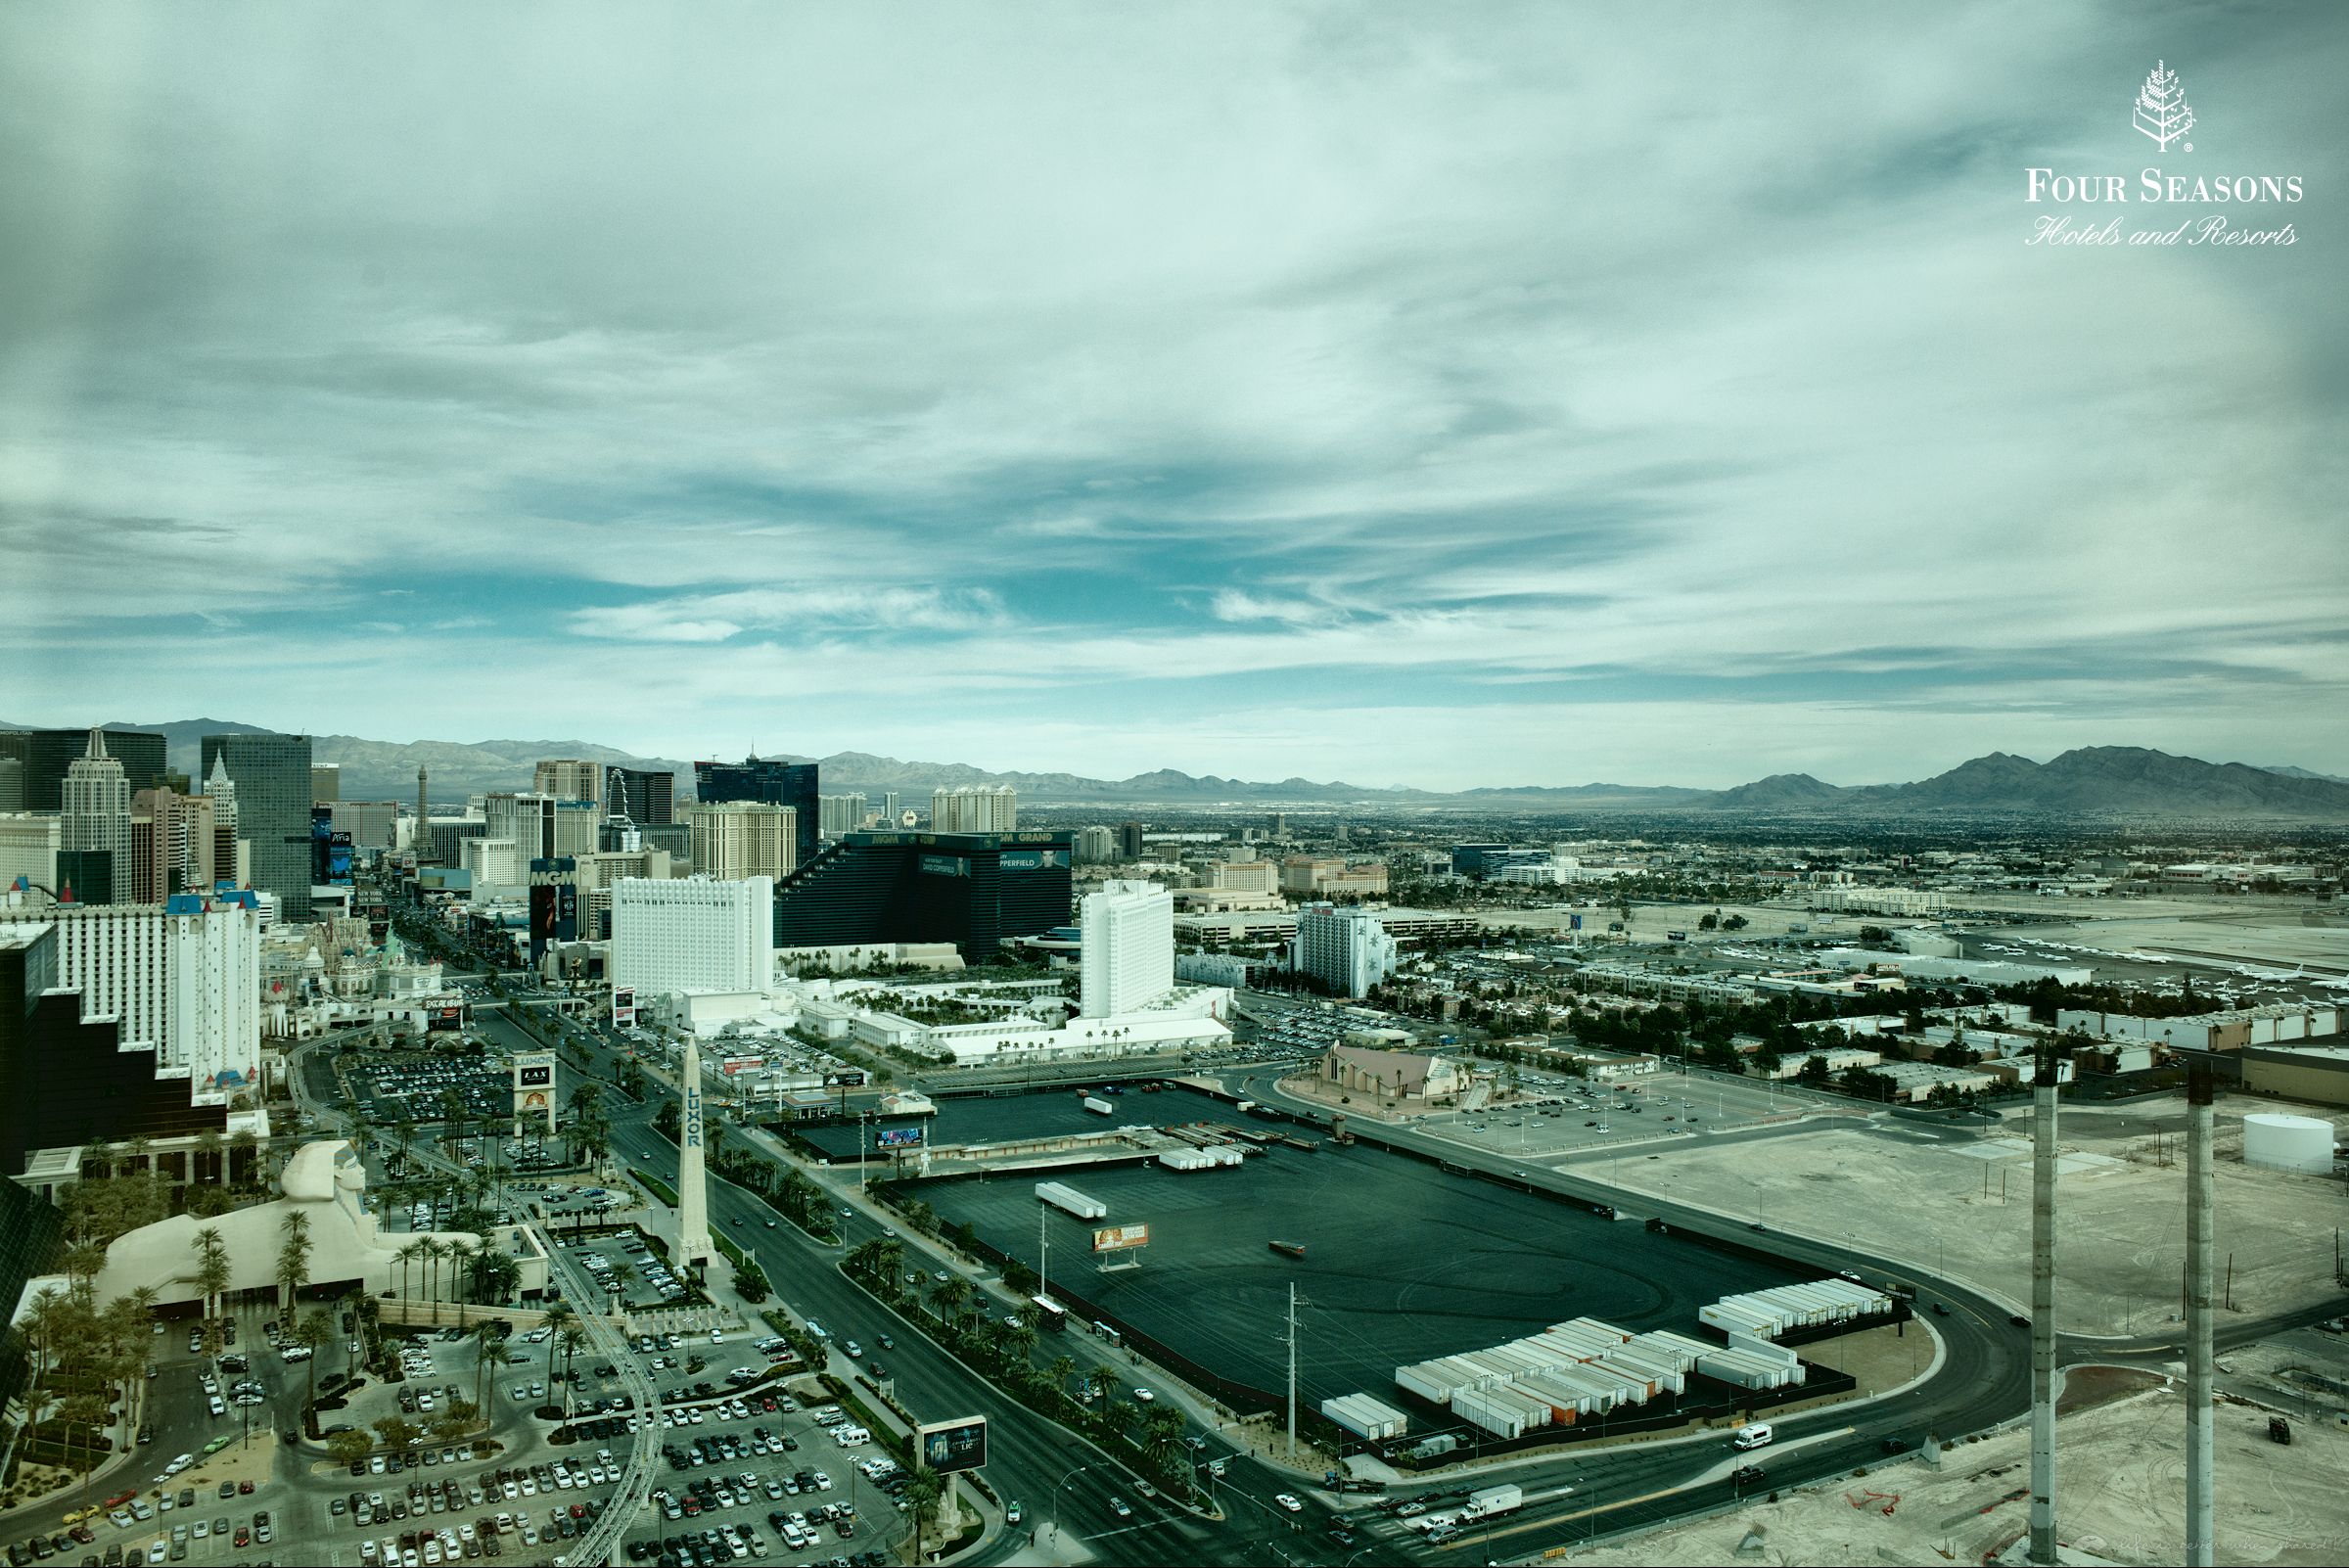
(993, 1119)
(1402, 1260)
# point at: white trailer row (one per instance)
(1586, 1368)
(1070, 1200)
(1365, 1416)
(1768, 1314)
(1749, 1362)
(1195, 1159)
(1503, 1410)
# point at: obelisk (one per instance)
(693, 1196)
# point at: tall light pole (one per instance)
(1056, 1491)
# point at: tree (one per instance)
(461, 1255)
(211, 1271)
(317, 1332)
(1813, 1070)
(350, 1448)
(407, 1255)
(489, 1336)
(922, 1494)
(949, 1295)
(397, 1432)
(432, 1251)
(1161, 1443)
(558, 1317)
(750, 1280)
(292, 1258)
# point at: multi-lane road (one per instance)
(1980, 1381)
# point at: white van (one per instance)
(1751, 1437)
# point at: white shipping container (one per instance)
(1471, 1406)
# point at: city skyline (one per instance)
(1532, 396)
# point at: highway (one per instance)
(1981, 1382)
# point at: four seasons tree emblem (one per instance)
(2161, 108)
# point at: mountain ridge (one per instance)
(2083, 782)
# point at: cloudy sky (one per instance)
(1436, 394)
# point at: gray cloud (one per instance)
(1051, 345)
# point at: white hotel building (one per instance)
(182, 978)
(1126, 959)
(694, 936)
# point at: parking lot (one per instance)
(1554, 1117)
(1399, 1261)
(628, 1268)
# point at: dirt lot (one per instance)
(1961, 1206)
(2120, 1497)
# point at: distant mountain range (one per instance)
(2089, 782)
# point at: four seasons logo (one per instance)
(2161, 107)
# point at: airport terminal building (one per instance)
(973, 890)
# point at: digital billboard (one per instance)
(542, 920)
(944, 865)
(1118, 1239)
(567, 912)
(445, 1018)
(898, 1137)
(847, 1078)
(534, 1074)
(1032, 860)
(947, 1447)
(623, 1007)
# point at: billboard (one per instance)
(534, 1075)
(623, 1007)
(732, 1065)
(542, 920)
(445, 1018)
(947, 1447)
(1118, 1239)
(898, 1137)
(1033, 859)
(847, 1078)
(567, 912)
(1575, 922)
(944, 865)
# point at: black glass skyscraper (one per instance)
(272, 775)
(791, 784)
(49, 753)
(650, 797)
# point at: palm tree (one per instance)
(558, 1318)
(573, 1339)
(948, 1297)
(488, 1350)
(294, 1258)
(211, 1271)
(460, 1272)
(1013, 1340)
(922, 1494)
(314, 1331)
(208, 1150)
(433, 1253)
(1106, 1381)
(407, 1255)
(1162, 1440)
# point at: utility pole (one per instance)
(2200, 1203)
(2042, 1309)
(1292, 1370)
